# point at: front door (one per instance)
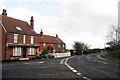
(24, 52)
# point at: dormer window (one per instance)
(15, 38)
(18, 28)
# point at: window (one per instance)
(44, 45)
(30, 51)
(59, 45)
(15, 38)
(63, 45)
(17, 51)
(24, 39)
(18, 28)
(51, 45)
(32, 39)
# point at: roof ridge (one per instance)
(14, 18)
(49, 36)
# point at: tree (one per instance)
(80, 47)
(114, 39)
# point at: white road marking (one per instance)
(40, 62)
(86, 78)
(100, 57)
(88, 57)
(101, 62)
(73, 70)
(78, 74)
(62, 61)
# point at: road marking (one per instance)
(78, 74)
(62, 61)
(88, 57)
(86, 78)
(73, 70)
(101, 62)
(40, 62)
(100, 57)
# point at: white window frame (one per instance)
(24, 39)
(63, 45)
(15, 38)
(51, 45)
(59, 45)
(44, 44)
(31, 51)
(17, 51)
(32, 39)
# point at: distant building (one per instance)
(51, 43)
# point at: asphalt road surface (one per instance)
(84, 66)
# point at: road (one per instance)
(84, 66)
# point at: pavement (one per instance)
(86, 67)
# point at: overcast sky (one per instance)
(87, 21)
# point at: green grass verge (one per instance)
(112, 55)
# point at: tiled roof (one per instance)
(50, 39)
(10, 25)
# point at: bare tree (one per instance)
(113, 37)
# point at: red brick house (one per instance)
(51, 43)
(19, 40)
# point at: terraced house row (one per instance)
(19, 40)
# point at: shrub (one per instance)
(44, 52)
(72, 52)
(51, 56)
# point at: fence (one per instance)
(58, 55)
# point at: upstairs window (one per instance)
(15, 38)
(59, 45)
(63, 45)
(44, 44)
(24, 39)
(32, 39)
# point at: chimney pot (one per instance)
(32, 23)
(41, 33)
(56, 36)
(4, 12)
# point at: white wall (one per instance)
(58, 55)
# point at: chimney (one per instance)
(56, 36)
(41, 33)
(4, 12)
(32, 23)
